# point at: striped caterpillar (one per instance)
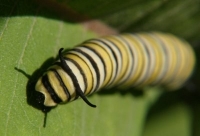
(127, 60)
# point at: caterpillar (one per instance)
(126, 60)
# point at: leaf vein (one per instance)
(18, 64)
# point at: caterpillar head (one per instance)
(40, 98)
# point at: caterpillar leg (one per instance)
(69, 71)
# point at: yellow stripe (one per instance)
(67, 81)
(172, 55)
(56, 86)
(107, 61)
(187, 66)
(125, 59)
(178, 77)
(141, 60)
(158, 58)
(86, 71)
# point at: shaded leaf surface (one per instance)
(175, 16)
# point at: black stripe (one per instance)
(148, 54)
(130, 61)
(81, 71)
(113, 53)
(85, 63)
(67, 69)
(166, 52)
(76, 95)
(50, 90)
(94, 65)
(62, 84)
(163, 45)
(102, 60)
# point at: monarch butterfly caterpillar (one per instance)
(127, 60)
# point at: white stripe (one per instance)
(169, 57)
(110, 54)
(90, 67)
(148, 65)
(165, 61)
(127, 47)
(78, 75)
(98, 62)
(135, 55)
